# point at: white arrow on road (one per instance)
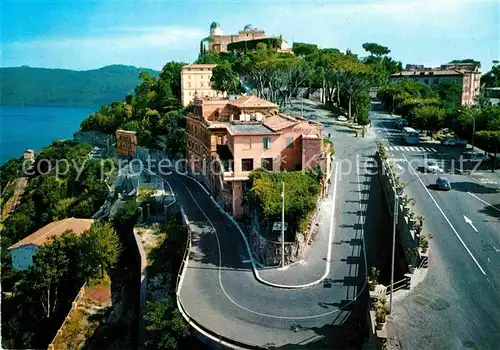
(469, 221)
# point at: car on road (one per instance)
(449, 142)
(342, 119)
(433, 167)
(442, 183)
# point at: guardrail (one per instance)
(401, 284)
(231, 343)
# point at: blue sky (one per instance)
(90, 34)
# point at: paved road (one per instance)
(458, 305)
(220, 292)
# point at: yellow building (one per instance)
(195, 82)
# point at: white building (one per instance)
(23, 251)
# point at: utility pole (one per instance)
(282, 224)
(394, 223)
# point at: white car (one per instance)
(342, 119)
(433, 167)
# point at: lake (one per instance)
(36, 127)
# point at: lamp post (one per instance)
(282, 224)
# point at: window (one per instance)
(189, 84)
(426, 81)
(267, 142)
(289, 142)
(435, 81)
(267, 163)
(189, 77)
(201, 84)
(247, 164)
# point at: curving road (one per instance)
(219, 290)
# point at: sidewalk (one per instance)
(316, 264)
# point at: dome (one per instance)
(214, 25)
(248, 27)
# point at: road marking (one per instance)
(433, 150)
(488, 204)
(446, 218)
(469, 221)
(250, 310)
(414, 148)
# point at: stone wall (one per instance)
(268, 252)
(408, 237)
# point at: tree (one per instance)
(304, 49)
(376, 49)
(492, 142)
(428, 117)
(492, 78)
(165, 325)
(51, 264)
(224, 79)
(101, 246)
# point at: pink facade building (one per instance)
(228, 139)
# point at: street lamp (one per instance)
(282, 224)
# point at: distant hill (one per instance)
(26, 86)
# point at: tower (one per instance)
(215, 29)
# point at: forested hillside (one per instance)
(26, 86)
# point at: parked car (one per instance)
(433, 167)
(449, 142)
(342, 118)
(442, 183)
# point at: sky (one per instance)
(83, 35)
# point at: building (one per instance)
(126, 143)
(493, 95)
(466, 75)
(195, 83)
(217, 42)
(23, 251)
(227, 139)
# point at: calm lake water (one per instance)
(36, 127)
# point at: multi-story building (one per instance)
(195, 82)
(218, 42)
(466, 75)
(227, 139)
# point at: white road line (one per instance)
(248, 249)
(433, 150)
(488, 204)
(413, 149)
(446, 218)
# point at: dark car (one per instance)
(443, 183)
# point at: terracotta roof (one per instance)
(279, 122)
(252, 101)
(54, 229)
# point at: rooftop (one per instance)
(54, 229)
(279, 122)
(199, 66)
(250, 129)
(252, 101)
